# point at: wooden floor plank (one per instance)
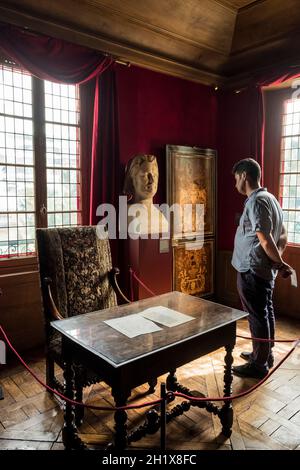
(256, 439)
(11, 444)
(286, 437)
(30, 418)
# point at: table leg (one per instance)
(78, 381)
(152, 384)
(172, 382)
(69, 431)
(226, 412)
(120, 397)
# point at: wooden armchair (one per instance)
(76, 278)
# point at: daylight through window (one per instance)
(290, 170)
(40, 184)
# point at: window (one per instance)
(290, 169)
(40, 171)
(62, 147)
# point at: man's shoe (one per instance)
(249, 370)
(247, 356)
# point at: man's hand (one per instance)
(285, 270)
(268, 244)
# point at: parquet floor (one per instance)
(269, 418)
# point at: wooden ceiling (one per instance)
(237, 4)
(210, 41)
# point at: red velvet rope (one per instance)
(262, 340)
(133, 275)
(267, 340)
(246, 392)
(74, 402)
(155, 402)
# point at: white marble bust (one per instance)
(141, 181)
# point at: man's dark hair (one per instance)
(250, 167)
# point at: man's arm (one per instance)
(274, 253)
(282, 240)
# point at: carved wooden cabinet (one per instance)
(191, 181)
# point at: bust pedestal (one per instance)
(151, 260)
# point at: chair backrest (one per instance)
(78, 263)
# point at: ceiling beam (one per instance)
(124, 52)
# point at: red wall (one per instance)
(157, 109)
(235, 141)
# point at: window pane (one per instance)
(290, 170)
(17, 205)
(63, 154)
(63, 172)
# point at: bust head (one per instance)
(141, 178)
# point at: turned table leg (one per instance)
(172, 382)
(69, 431)
(226, 412)
(120, 438)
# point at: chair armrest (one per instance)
(113, 277)
(54, 312)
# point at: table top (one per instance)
(90, 331)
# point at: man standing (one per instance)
(259, 243)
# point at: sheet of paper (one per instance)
(294, 281)
(165, 316)
(132, 325)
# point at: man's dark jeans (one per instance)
(256, 297)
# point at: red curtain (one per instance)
(256, 107)
(107, 163)
(241, 130)
(255, 111)
(60, 61)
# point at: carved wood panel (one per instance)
(194, 268)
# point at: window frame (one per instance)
(273, 123)
(17, 264)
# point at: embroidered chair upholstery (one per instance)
(76, 278)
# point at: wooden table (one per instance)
(125, 363)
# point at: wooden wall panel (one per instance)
(20, 309)
(226, 280)
(286, 297)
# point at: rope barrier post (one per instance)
(163, 396)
